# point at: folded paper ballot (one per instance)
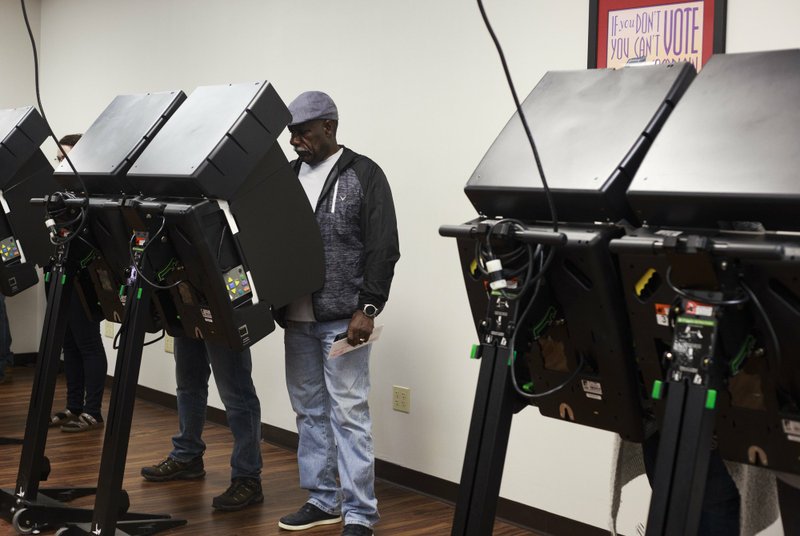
(341, 346)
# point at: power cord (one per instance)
(689, 296)
(544, 265)
(136, 266)
(521, 114)
(54, 238)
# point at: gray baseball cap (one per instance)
(312, 105)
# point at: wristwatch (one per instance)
(370, 311)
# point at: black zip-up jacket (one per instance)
(356, 217)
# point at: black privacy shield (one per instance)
(730, 152)
(22, 132)
(25, 173)
(592, 128)
(117, 137)
(230, 201)
(210, 147)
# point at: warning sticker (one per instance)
(662, 314)
(592, 389)
(699, 309)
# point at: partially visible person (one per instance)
(85, 363)
(720, 512)
(353, 205)
(6, 356)
(194, 361)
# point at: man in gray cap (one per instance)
(355, 212)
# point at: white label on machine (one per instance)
(206, 315)
(4, 203)
(790, 427)
(699, 309)
(226, 209)
(592, 389)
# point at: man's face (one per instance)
(313, 141)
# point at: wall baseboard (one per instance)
(522, 515)
(25, 359)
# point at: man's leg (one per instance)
(73, 372)
(191, 376)
(316, 451)
(347, 381)
(85, 334)
(233, 376)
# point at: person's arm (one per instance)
(381, 251)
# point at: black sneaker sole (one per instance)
(180, 475)
(255, 499)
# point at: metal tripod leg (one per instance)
(105, 520)
(18, 506)
(682, 462)
(487, 443)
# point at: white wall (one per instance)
(25, 310)
(421, 91)
(16, 59)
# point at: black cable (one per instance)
(39, 98)
(544, 265)
(115, 343)
(55, 240)
(156, 235)
(543, 268)
(140, 273)
(495, 225)
(557, 388)
(519, 323)
(775, 342)
(53, 214)
(773, 335)
(545, 186)
(163, 333)
(511, 345)
(689, 296)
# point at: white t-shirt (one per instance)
(312, 178)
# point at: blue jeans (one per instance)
(194, 360)
(329, 397)
(6, 357)
(719, 515)
(85, 364)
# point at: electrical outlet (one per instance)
(109, 329)
(401, 399)
(169, 344)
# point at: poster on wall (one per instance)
(655, 31)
